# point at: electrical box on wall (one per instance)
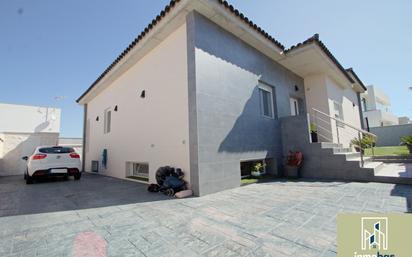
(95, 166)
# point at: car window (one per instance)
(56, 149)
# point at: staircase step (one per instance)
(330, 145)
(341, 150)
(350, 155)
(366, 159)
(373, 165)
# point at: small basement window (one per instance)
(137, 170)
(266, 100)
(257, 166)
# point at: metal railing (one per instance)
(324, 127)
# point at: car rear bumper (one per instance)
(49, 173)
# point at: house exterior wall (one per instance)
(316, 93)
(348, 98)
(32, 119)
(317, 98)
(321, 93)
(227, 115)
(153, 129)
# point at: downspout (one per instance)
(84, 138)
(360, 110)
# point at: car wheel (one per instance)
(29, 180)
(77, 176)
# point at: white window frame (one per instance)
(268, 89)
(338, 113)
(294, 106)
(107, 121)
(132, 170)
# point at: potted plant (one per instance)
(313, 133)
(258, 169)
(361, 144)
(293, 164)
(407, 140)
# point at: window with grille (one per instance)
(266, 100)
(107, 121)
(137, 170)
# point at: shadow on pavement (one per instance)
(91, 191)
(404, 191)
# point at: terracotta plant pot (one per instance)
(291, 171)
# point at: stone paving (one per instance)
(279, 218)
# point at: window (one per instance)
(137, 170)
(266, 100)
(338, 112)
(107, 121)
(56, 149)
(294, 107)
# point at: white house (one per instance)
(22, 129)
(330, 90)
(376, 108)
(205, 89)
(404, 120)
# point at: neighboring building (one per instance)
(206, 90)
(375, 107)
(75, 142)
(22, 129)
(404, 120)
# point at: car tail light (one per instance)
(74, 155)
(39, 156)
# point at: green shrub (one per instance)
(406, 140)
(366, 142)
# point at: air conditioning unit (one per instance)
(95, 166)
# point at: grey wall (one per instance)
(318, 162)
(390, 135)
(226, 123)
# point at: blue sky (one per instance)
(54, 48)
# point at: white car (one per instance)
(48, 161)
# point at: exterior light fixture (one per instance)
(296, 88)
(97, 118)
(143, 94)
(115, 108)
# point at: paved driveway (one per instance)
(119, 218)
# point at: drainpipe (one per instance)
(84, 137)
(360, 110)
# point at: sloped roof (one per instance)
(315, 40)
(350, 70)
(158, 18)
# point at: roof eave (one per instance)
(159, 18)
